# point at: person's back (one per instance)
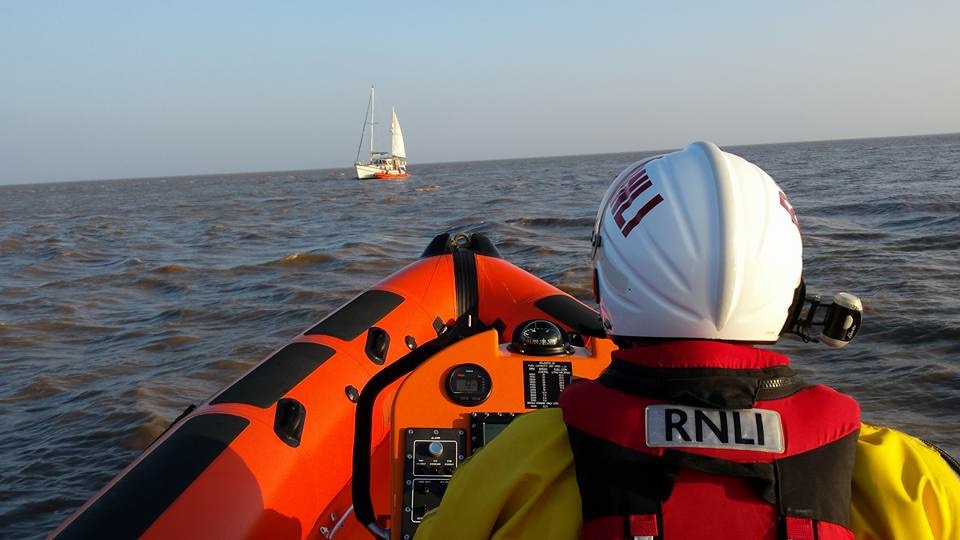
(691, 431)
(734, 440)
(523, 486)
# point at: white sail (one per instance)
(396, 137)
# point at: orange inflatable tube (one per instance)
(270, 455)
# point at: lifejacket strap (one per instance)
(761, 475)
(617, 481)
(643, 526)
(800, 528)
(816, 484)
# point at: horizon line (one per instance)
(277, 171)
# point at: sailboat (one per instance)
(383, 165)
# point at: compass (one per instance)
(540, 338)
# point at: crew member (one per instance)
(693, 431)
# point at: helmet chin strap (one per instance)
(839, 320)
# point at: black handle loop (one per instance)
(464, 327)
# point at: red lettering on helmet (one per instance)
(628, 200)
(643, 212)
(789, 208)
(635, 184)
(634, 179)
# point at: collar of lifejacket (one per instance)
(690, 353)
(702, 373)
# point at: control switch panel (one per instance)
(431, 457)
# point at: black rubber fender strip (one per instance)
(360, 314)
(465, 279)
(129, 508)
(276, 375)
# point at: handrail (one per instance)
(464, 327)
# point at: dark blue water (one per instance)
(122, 302)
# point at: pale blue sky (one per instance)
(96, 89)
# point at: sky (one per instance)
(98, 90)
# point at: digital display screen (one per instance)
(492, 430)
(461, 385)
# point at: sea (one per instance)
(124, 301)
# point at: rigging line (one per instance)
(363, 129)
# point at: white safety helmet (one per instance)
(698, 243)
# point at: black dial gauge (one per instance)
(468, 384)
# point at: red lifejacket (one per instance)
(702, 439)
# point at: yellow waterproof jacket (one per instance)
(522, 486)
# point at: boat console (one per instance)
(455, 402)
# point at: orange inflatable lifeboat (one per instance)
(357, 424)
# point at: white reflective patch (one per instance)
(681, 426)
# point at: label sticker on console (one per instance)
(673, 426)
(544, 381)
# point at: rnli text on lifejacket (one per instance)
(694, 427)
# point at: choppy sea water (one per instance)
(122, 302)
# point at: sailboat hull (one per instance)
(386, 169)
(366, 172)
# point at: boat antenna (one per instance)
(363, 128)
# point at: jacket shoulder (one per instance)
(903, 488)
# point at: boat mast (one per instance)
(372, 104)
